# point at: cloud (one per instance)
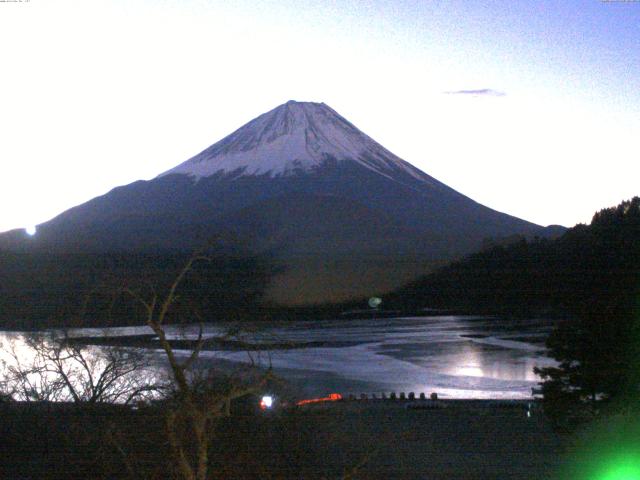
(482, 92)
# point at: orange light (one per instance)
(333, 397)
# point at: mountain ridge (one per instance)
(339, 225)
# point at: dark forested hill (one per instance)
(40, 289)
(596, 263)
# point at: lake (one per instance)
(455, 356)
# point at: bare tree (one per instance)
(199, 399)
(51, 366)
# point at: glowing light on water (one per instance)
(31, 230)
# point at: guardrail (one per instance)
(422, 402)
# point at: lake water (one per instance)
(455, 356)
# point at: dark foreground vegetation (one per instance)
(346, 440)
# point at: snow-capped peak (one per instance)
(296, 136)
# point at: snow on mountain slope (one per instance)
(294, 137)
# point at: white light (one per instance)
(374, 302)
(31, 230)
(267, 401)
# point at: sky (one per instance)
(529, 107)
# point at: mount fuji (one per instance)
(294, 138)
(340, 213)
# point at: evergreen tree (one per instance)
(599, 349)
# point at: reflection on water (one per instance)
(473, 361)
(469, 363)
(458, 357)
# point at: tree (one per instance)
(51, 366)
(599, 349)
(199, 400)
